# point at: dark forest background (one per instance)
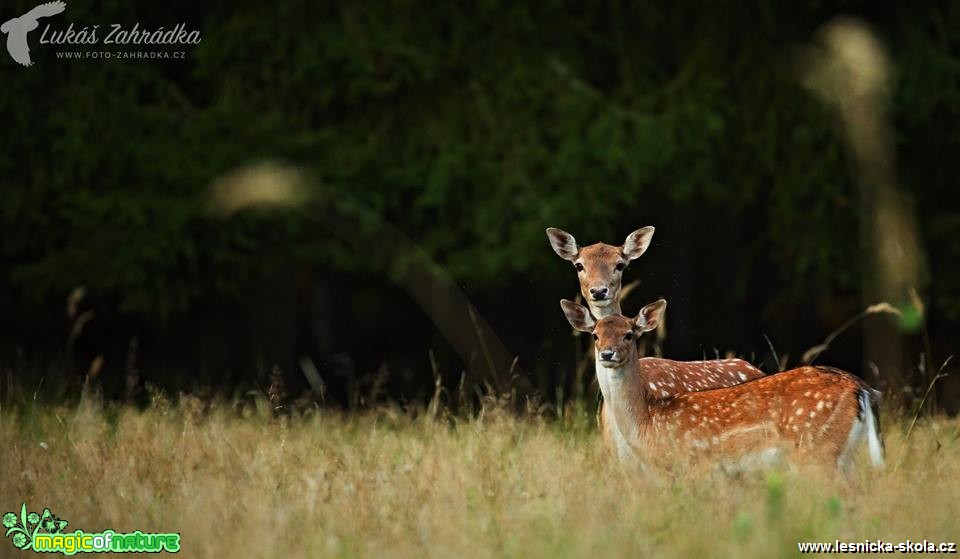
(463, 132)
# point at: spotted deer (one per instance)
(600, 270)
(600, 266)
(816, 413)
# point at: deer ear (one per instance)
(651, 315)
(563, 243)
(637, 243)
(578, 316)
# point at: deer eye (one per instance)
(620, 266)
(578, 266)
(629, 336)
(595, 338)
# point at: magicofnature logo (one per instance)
(44, 533)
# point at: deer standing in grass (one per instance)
(600, 270)
(817, 413)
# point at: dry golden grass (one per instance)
(387, 485)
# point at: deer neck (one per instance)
(599, 311)
(623, 394)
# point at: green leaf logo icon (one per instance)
(26, 526)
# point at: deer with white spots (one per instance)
(600, 270)
(815, 413)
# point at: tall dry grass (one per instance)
(389, 484)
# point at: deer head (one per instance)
(600, 266)
(615, 335)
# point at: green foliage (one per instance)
(472, 129)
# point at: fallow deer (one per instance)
(600, 270)
(600, 266)
(819, 413)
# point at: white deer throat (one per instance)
(602, 311)
(622, 394)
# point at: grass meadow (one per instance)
(392, 483)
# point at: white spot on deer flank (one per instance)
(800, 411)
(820, 405)
(652, 386)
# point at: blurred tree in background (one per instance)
(472, 129)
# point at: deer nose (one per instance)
(598, 293)
(607, 355)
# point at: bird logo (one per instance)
(17, 28)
